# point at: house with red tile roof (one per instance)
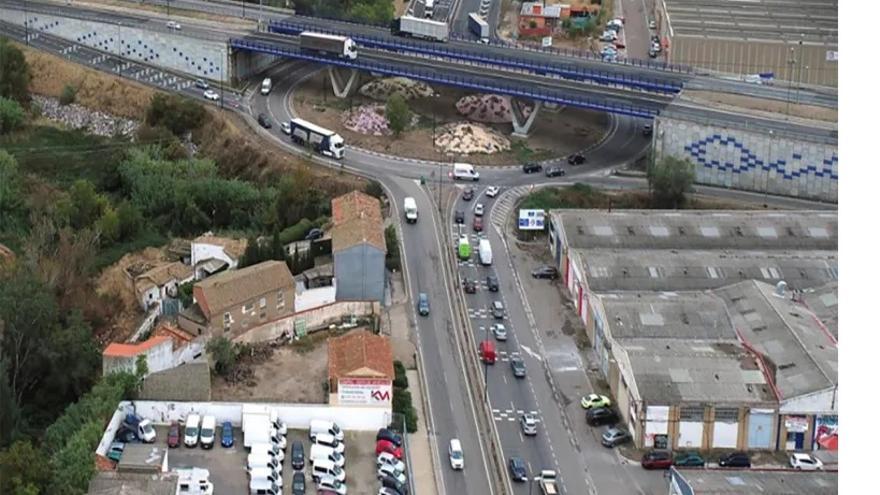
(360, 369)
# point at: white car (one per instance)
(805, 462)
(478, 210)
(492, 191)
(529, 424)
(389, 459)
(456, 456)
(392, 472)
(172, 25)
(211, 95)
(285, 127)
(331, 484)
(499, 331)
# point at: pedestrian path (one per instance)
(421, 463)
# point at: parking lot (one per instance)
(228, 465)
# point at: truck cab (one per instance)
(141, 427)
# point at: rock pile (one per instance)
(80, 117)
(491, 109)
(382, 89)
(367, 119)
(467, 138)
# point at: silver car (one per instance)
(614, 437)
(499, 331)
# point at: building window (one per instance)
(280, 299)
(262, 302)
(247, 308)
(726, 414)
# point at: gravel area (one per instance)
(79, 117)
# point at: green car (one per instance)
(114, 453)
(594, 401)
(692, 459)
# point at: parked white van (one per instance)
(264, 487)
(317, 426)
(410, 209)
(191, 430)
(464, 171)
(265, 473)
(266, 87)
(268, 448)
(324, 452)
(256, 461)
(329, 441)
(207, 432)
(326, 467)
(332, 484)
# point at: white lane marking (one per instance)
(532, 353)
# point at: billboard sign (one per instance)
(364, 392)
(531, 219)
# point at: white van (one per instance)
(462, 171)
(256, 461)
(317, 426)
(456, 455)
(324, 452)
(264, 487)
(329, 441)
(207, 432)
(410, 209)
(191, 430)
(264, 473)
(485, 252)
(266, 87)
(326, 467)
(272, 449)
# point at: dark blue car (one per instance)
(227, 439)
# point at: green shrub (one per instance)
(68, 95)
(401, 404)
(175, 113)
(400, 380)
(297, 232)
(11, 115)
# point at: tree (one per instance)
(22, 469)
(670, 179)
(10, 186)
(398, 113)
(185, 293)
(68, 95)
(15, 75)
(10, 416)
(299, 198)
(223, 352)
(11, 115)
(108, 227)
(175, 113)
(74, 465)
(374, 189)
(131, 220)
(84, 205)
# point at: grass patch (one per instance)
(585, 196)
(62, 156)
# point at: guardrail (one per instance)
(401, 46)
(520, 91)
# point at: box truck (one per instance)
(410, 210)
(321, 140)
(485, 252)
(420, 28)
(478, 26)
(328, 44)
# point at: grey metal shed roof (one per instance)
(823, 302)
(801, 354)
(704, 229)
(674, 371)
(673, 269)
(673, 315)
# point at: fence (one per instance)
(474, 83)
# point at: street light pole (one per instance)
(27, 37)
(797, 90)
(769, 157)
(791, 62)
(242, 9)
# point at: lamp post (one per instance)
(791, 62)
(769, 157)
(27, 37)
(797, 91)
(242, 9)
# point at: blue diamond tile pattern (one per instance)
(750, 162)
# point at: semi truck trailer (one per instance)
(420, 28)
(328, 44)
(478, 26)
(323, 141)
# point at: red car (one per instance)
(386, 446)
(657, 459)
(478, 224)
(174, 435)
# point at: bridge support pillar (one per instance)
(522, 125)
(342, 85)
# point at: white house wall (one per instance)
(690, 434)
(202, 252)
(150, 296)
(656, 423)
(724, 435)
(314, 298)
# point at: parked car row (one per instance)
(390, 469)
(266, 437)
(197, 430)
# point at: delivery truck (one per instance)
(328, 45)
(420, 28)
(323, 141)
(478, 26)
(410, 209)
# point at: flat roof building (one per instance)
(750, 482)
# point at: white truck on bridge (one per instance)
(478, 26)
(420, 28)
(328, 44)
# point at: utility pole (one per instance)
(27, 36)
(168, 8)
(242, 9)
(797, 91)
(791, 62)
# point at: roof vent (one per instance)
(681, 231)
(781, 286)
(739, 231)
(631, 231)
(790, 231)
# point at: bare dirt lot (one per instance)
(773, 106)
(554, 134)
(295, 373)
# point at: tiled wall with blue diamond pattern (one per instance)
(752, 161)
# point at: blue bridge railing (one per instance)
(473, 83)
(437, 50)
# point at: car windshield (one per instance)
(192, 430)
(148, 429)
(456, 455)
